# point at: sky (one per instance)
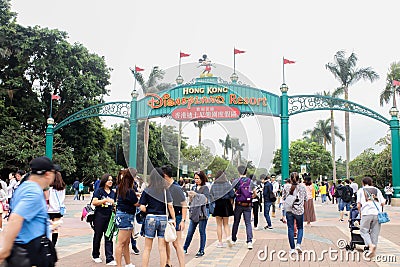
(150, 33)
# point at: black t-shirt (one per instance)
(154, 201)
(100, 194)
(128, 204)
(177, 197)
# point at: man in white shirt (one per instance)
(353, 185)
(369, 202)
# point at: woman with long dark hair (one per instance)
(56, 204)
(152, 202)
(309, 211)
(295, 212)
(124, 218)
(201, 188)
(222, 194)
(103, 200)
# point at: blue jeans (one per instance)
(246, 211)
(323, 198)
(267, 207)
(155, 224)
(202, 229)
(76, 197)
(290, 218)
(343, 204)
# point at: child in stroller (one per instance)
(354, 225)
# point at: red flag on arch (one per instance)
(237, 51)
(287, 61)
(55, 97)
(181, 54)
(137, 69)
(395, 83)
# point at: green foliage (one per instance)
(197, 157)
(321, 133)
(377, 166)
(299, 151)
(389, 91)
(218, 164)
(19, 147)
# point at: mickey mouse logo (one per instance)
(206, 63)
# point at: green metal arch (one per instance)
(303, 103)
(112, 109)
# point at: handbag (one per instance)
(38, 252)
(170, 230)
(140, 217)
(62, 208)
(383, 217)
(88, 214)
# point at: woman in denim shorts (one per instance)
(124, 218)
(152, 202)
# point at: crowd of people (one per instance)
(163, 200)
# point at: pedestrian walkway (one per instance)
(327, 234)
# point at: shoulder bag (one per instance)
(170, 230)
(62, 208)
(383, 217)
(38, 252)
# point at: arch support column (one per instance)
(284, 134)
(133, 131)
(395, 136)
(49, 138)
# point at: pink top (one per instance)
(309, 189)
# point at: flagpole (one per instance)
(394, 96)
(283, 68)
(51, 105)
(134, 76)
(234, 60)
(179, 68)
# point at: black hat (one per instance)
(40, 165)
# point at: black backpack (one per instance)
(347, 194)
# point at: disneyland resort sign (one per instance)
(212, 102)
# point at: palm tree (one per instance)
(321, 133)
(237, 147)
(200, 125)
(152, 85)
(226, 144)
(344, 69)
(390, 90)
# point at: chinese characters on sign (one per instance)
(206, 112)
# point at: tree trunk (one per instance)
(146, 147)
(347, 133)
(333, 137)
(199, 135)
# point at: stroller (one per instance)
(354, 225)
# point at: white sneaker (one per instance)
(97, 260)
(130, 265)
(112, 263)
(298, 248)
(250, 245)
(220, 245)
(292, 251)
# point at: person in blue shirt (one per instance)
(75, 186)
(29, 218)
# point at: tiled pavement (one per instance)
(74, 247)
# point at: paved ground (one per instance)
(74, 247)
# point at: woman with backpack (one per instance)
(201, 188)
(294, 195)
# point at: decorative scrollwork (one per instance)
(191, 82)
(222, 81)
(303, 103)
(115, 109)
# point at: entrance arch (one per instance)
(216, 99)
